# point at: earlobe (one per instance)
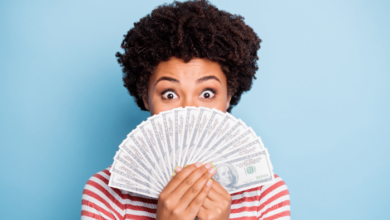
(146, 103)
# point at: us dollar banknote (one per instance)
(123, 183)
(244, 172)
(147, 158)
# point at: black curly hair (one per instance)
(188, 30)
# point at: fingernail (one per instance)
(185, 165)
(208, 165)
(175, 167)
(209, 182)
(212, 169)
(198, 164)
(173, 174)
(178, 169)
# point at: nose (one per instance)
(188, 101)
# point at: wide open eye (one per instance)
(169, 95)
(207, 94)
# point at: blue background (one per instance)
(320, 103)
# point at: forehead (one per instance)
(194, 69)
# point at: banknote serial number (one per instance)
(261, 176)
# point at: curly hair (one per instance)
(187, 30)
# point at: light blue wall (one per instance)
(320, 103)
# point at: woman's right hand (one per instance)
(183, 196)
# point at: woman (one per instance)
(187, 54)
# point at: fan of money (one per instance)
(146, 159)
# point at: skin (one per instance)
(178, 84)
(200, 82)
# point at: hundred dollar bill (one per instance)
(135, 163)
(161, 135)
(128, 185)
(222, 134)
(200, 126)
(226, 125)
(123, 170)
(238, 129)
(244, 172)
(192, 113)
(154, 144)
(168, 122)
(216, 120)
(248, 148)
(148, 152)
(179, 114)
(247, 136)
(141, 154)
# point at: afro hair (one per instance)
(187, 30)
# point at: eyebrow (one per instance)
(207, 78)
(197, 81)
(167, 79)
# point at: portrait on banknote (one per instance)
(226, 175)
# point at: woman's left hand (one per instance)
(216, 205)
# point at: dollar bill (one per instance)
(248, 148)
(179, 114)
(192, 115)
(135, 162)
(203, 118)
(227, 126)
(168, 122)
(247, 136)
(123, 183)
(244, 172)
(132, 174)
(162, 137)
(154, 142)
(236, 130)
(136, 139)
(215, 120)
(148, 156)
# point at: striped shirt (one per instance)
(99, 201)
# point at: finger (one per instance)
(214, 195)
(197, 202)
(208, 203)
(204, 173)
(196, 188)
(177, 178)
(202, 213)
(178, 169)
(217, 187)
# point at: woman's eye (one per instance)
(207, 94)
(169, 95)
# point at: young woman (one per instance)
(188, 54)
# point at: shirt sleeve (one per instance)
(274, 201)
(99, 201)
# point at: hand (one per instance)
(183, 196)
(216, 205)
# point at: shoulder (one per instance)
(100, 201)
(98, 197)
(97, 186)
(270, 201)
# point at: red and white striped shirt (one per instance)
(100, 201)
